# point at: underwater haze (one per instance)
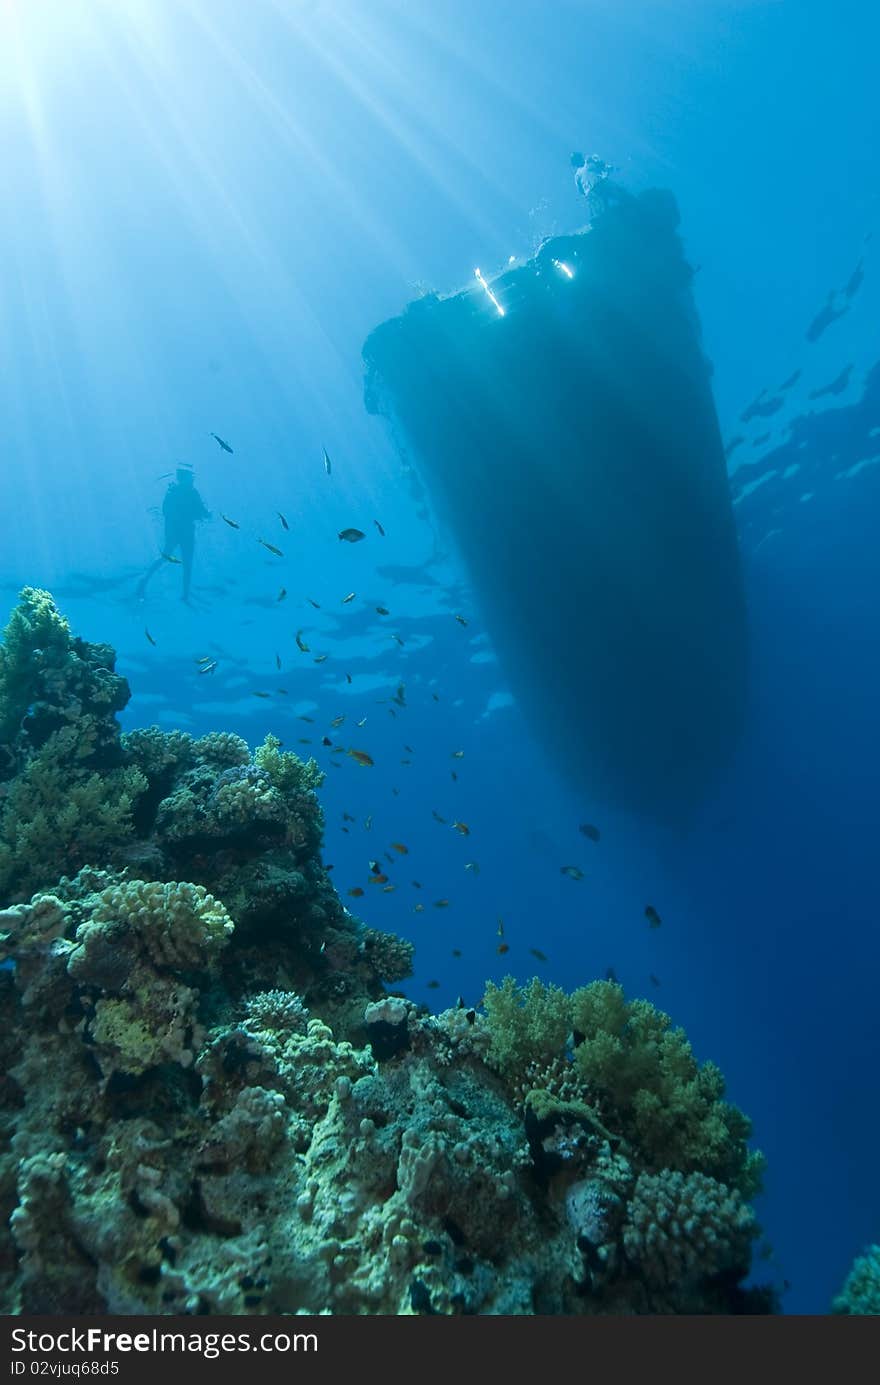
(559, 510)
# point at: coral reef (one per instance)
(211, 1103)
(861, 1291)
(597, 1058)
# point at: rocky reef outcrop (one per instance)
(212, 1102)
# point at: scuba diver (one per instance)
(591, 177)
(182, 508)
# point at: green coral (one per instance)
(156, 1024)
(861, 1291)
(646, 1077)
(59, 815)
(177, 926)
(625, 1061)
(287, 772)
(36, 638)
(529, 1026)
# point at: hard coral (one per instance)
(861, 1292)
(201, 1119)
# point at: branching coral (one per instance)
(175, 926)
(57, 814)
(625, 1061)
(682, 1227)
(861, 1291)
(223, 748)
(287, 772)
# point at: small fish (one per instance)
(337, 721)
(382, 611)
(835, 386)
(356, 892)
(305, 718)
(502, 948)
(346, 599)
(395, 792)
(281, 595)
(325, 740)
(313, 603)
(224, 445)
(319, 659)
(472, 865)
(827, 314)
(406, 762)
(456, 952)
(538, 954)
(463, 828)
(435, 697)
(587, 829)
(270, 547)
(282, 691)
(362, 757)
(409, 750)
(416, 884)
(437, 816)
(303, 740)
(348, 678)
(461, 620)
(453, 776)
(284, 524)
(458, 754)
(610, 974)
(169, 559)
(441, 903)
(351, 535)
(379, 879)
(362, 722)
(149, 636)
(400, 696)
(204, 658)
(327, 463)
(654, 980)
(388, 857)
(418, 908)
(209, 667)
(400, 848)
(399, 640)
(347, 817)
(854, 282)
(573, 872)
(231, 522)
(368, 822)
(375, 868)
(654, 919)
(379, 527)
(300, 643)
(278, 661)
(388, 889)
(433, 985)
(500, 929)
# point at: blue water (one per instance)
(208, 208)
